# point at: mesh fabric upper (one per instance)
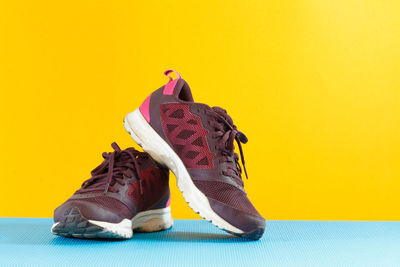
(227, 194)
(108, 203)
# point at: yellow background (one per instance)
(313, 84)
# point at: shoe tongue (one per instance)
(222, 112)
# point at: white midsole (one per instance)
(152, 220)
(145, 221)
(151, 142)
(123, 228)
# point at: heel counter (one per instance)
(159, 94)
(164, 202)
(163, 196)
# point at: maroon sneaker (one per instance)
(127, 192)
(196, 142)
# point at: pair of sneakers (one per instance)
(129, 191)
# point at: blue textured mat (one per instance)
(197, 243)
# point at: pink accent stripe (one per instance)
(170, 86)
(169, 201)
(144, 108)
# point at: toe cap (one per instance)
(252, 225)
(89, 210)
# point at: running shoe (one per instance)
(128, 192)
(196, 142)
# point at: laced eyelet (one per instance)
(116, 178)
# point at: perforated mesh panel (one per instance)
(198, 142)
(177, 114)
(187, 135)
(191, 154)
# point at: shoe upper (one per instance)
(125, 183)
(204, 138)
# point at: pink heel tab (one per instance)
(170, 86)
(167, 72)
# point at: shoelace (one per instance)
(117, 166)
(227, 133)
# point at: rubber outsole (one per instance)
(253, 235)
